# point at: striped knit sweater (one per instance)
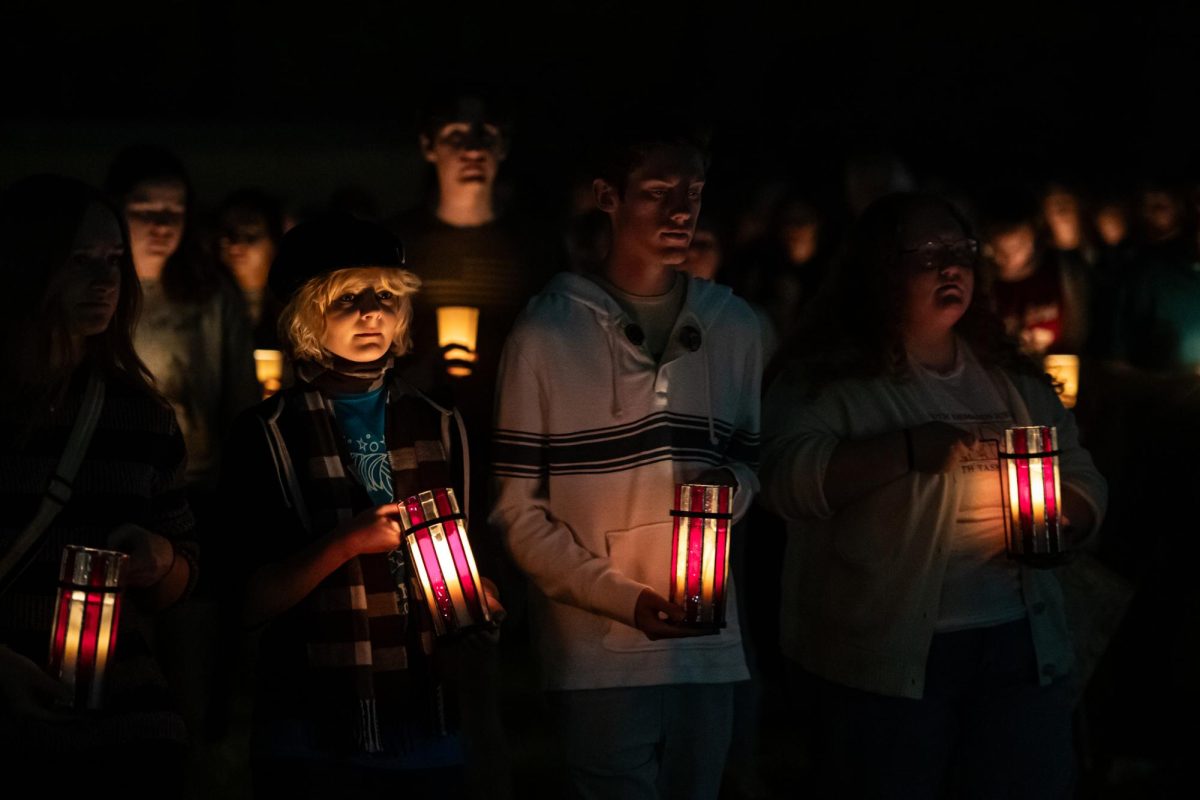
(132, 473)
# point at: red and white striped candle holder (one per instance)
(1033, 496)
(86, 617)
(700, 553)
(440, 553)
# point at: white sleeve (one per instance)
(799, 437)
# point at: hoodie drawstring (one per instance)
(712, 428)
(614, 356)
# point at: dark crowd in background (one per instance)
(1076, 175)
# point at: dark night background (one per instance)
(308, 102)
(305, 102)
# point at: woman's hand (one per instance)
(26, 692)
(150, 556)
(938, 447)
(376, 530)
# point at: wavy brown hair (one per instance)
(854, 330)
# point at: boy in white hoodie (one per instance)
(612, 388)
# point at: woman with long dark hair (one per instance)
(69, 307)
(942, 666)
(193, 334)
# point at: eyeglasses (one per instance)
(935, 255)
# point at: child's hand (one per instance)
(376, 530)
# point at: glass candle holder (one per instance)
(1033, 496)
(700, 553)
(458, 331)
(87, 614)
(1064, 369)
(435, 532)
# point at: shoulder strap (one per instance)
(285, 470)
(58, 492)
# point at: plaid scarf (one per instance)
(369, 649)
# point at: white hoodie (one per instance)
(591, 437)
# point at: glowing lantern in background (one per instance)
(268, 365)
(1033, 496)
(700, 553)
(86, 616)
(458, 329)
(440, 554)
(1064, 370)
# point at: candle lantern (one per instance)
(1064, 369)
(700, 553)
(458, 329)
(86, 616)
(268, 365)
(435, 531)
(1033, 496)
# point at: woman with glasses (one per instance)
(941, 667)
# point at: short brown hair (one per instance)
(302, 322)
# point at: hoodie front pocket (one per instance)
(643, 554)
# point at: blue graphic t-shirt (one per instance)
(361, 418)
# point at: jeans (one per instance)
(984, 729)
(645, 742)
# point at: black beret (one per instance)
(329, 243)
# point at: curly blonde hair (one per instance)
(302, 321)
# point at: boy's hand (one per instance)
(656, 616)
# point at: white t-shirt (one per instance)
(982, 586)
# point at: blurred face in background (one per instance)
(465, 154)
(1161, 215)
(245, 248)
(90, 282)
(799, 232)
(1012, 252)
(704, 255)
(1060, 208)
(156, 211)
(1112, 224)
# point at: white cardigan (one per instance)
(861, 586)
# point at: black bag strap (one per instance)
(58, 491)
